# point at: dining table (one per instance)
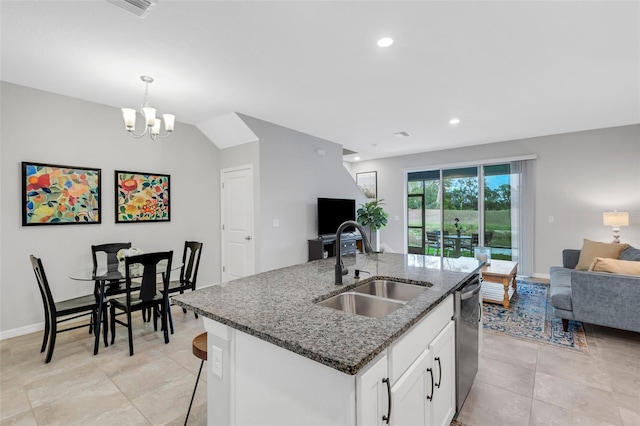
(103, 276)
(457, 242)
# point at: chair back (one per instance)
(487, 237)
(43, 286)
(432, 237)
(189, 270)
(111, 250)
(475, 239)
(151, 264)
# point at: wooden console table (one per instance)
(496, 279)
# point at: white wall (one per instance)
(292, 176)
(44, 127)
(577, 177)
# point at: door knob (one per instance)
(248, 237)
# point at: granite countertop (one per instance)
(279, 306)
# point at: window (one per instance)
(450, 211)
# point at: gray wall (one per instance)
(292, 176)
(44, 127)
(577, 177)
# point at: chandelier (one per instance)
(152, 124)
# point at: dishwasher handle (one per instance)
(471, 292)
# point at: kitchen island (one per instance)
(276, 357)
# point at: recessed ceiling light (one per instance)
(356, 158)
(385, 42)
(454, 121)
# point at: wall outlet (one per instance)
(276, 223)
(397, 218)
(215, 358)
(551, 219)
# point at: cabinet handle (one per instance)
(480, 314)
(439, 372)
(430, 397)
(388, 416)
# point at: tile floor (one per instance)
(152, 387)
(518, 383)
(522, 383)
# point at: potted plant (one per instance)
(371, 214)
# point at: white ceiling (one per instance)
(508, 70)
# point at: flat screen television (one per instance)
(332, 212)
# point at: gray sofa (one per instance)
(601, 298)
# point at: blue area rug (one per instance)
(530, 317)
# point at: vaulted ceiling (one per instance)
(506, 70)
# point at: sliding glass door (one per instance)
(451, 211)
(497, 210)
(460, 211)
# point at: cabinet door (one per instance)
(373, 394)
(442, 350)
(409, 394)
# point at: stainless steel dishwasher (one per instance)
(468, 309)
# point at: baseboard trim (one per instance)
(21, 331)
(538, 275)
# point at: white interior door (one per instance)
(237, 223)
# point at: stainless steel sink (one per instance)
(391, 289)
(362, 304)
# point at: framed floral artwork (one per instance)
(60, 195)
(142, 197)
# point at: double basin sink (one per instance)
(376, 298)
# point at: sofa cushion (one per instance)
(616, 266)
(630, 254)
(561, 288)
(592, 249)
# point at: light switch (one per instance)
(551, 219)
(276, 223)
(397, 218)
(215, 357)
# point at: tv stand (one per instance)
(350, 242)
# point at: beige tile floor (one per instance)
(518, 383)
(76, 388)
(523, 383)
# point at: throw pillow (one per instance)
(616, 266)
(592, 249)
(631, 254)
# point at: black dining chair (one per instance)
(470, 243)
(188, 273)
(111, 251)
(147, 295)
(59, 312)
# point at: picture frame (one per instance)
(142, 197)
(368, 183)
(54, 194)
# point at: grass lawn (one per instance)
(497, 221)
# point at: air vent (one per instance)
(137, 7)
(402, 134)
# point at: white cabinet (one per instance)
(409, 395)
(442, 352)
(412, 382)
(373, 394)
(425, 393)
(421, 370)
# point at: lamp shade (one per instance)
(615, 218)
(129, 115)
(169, 120)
